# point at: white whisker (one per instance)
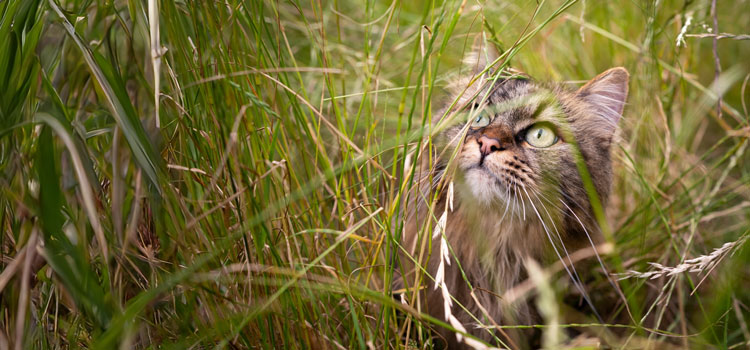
(507, 202)
(567, 255)
(523, 206)
(598, 258)
(576, 282)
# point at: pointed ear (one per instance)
(606, 93)
(483, 53)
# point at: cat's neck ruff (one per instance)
(496, 239)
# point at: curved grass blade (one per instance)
(69, 261)
(112, 86)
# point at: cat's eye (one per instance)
(541, 136)
(481, 120)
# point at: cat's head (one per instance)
(521, 137)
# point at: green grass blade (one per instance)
(122, 109)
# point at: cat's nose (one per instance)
(488, 145)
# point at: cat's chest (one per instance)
(496, 248)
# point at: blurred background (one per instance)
(192, 174)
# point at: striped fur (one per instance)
(516, 204)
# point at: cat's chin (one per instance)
(485, 189)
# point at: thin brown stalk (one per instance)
(23, 298)
(135, 213)
(717, 63)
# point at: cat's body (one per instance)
(511, 198)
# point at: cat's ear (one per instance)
(482, 55)
(606, 93)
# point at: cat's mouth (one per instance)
(497, 177)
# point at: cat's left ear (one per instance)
(606, 93)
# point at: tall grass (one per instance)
(234, 175)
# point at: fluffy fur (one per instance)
(514, 203)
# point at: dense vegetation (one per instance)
(231, 173)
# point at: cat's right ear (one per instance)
(483, 54)
(606, 93)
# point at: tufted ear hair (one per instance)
(482, 54)
(606, 94)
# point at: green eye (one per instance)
(541, 136)
(480, 121)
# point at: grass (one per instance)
(255, 203)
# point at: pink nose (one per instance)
(488, 145)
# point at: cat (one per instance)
(516, 188)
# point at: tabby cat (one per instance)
(517, 191)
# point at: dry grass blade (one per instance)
(12, 268)
(704, 263)
(87, 193)
(156, 52)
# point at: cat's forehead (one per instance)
(517, 100)
(511, 89)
